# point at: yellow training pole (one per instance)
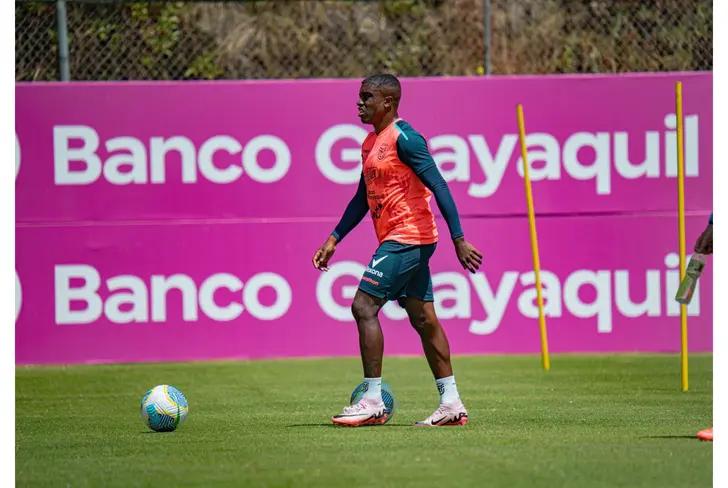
(681, 232)
(546, 363)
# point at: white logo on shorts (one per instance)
(377, 261)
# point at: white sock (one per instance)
(448, 389)
(374, 388)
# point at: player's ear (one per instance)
(388, 102)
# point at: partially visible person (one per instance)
(704, 245)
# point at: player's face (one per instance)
(372, 104)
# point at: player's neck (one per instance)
(385, 122)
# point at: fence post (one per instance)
(486, 35)
(62, 30)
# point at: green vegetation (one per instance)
(344, 38)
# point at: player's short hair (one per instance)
(387, 81)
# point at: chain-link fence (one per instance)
(590, 36)
(120, 40)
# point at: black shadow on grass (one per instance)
(157, 433)
(668, 437)
(341, 427)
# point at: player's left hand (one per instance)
(469, 257)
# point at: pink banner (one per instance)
(175, 292)
(140, 151)
(176, 221)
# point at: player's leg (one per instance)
(423, 318)
(370, 410)
(418, 300)
(365, 310)
(382, 279)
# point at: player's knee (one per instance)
(421, 323)
(362, 311)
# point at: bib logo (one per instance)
(129, 160)
(482, 163)
(382, 151)
(456, 294)
(131, 299)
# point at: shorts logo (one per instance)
(369, 280)
(374, 272)
(377, 261)
(381, 152)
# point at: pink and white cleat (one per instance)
(366, 412)
(447, 414)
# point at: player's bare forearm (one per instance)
(470, 258)
(323, 254)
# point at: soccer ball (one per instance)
(164, 408)
(387, 397)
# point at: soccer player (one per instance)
(398, 179)
(704, 245)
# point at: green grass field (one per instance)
(591, 421)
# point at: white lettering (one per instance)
(207, 297)
(649, 167)
(324, 289)
(451, 287)
(137, 298)
(549, 154)
(159, 149)
(493, 304)
(207, 165)
(453, 295)
(599, 168)
(129, 298)
(63, 155)
(493, 168)
(282, 302)
(351, 155)
(601, 306)
(690, 126)
(457, 155)
(651, 303)
(136, 158)
(65, 294)
(282, 158)
(129, 163)
(161, 285)
(551, 295)
(393, 311)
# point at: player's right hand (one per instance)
(470, 258)
(324, 253)
(704, 244)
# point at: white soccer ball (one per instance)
(164, 408)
